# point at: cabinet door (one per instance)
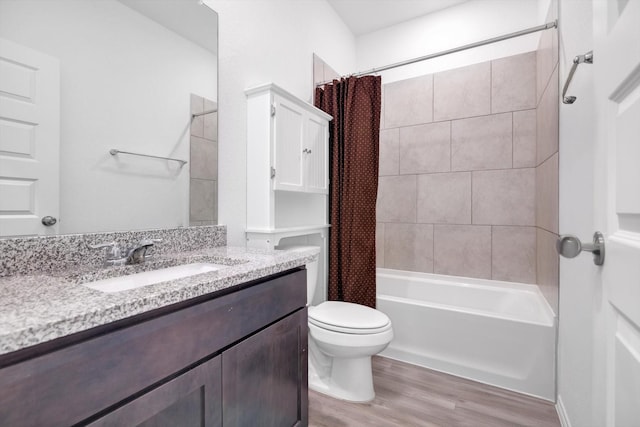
(191, 399)
(288, 139)
(316, 155)
(264, 378)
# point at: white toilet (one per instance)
(342, 338)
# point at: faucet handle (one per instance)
(102, 245)
(149, 242)
(112, 249)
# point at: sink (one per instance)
(146, 278)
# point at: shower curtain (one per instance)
(354, 134)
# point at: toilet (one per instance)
(342, 338)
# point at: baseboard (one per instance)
(562, 413)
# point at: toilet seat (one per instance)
(348, 318)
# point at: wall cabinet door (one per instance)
(289, 136)
(300, 148)
(316, 155)
(264, 378)
(192, 399)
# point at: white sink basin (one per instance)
(138, 280)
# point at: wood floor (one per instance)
(408, 395)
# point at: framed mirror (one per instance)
(108, 115)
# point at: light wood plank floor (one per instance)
(408, 395)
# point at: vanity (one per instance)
(227, 347)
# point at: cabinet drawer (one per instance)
(192, 399)
(69, 385)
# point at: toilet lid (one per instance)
(347, 317)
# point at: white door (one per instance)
(288, 138)
(316, 155)
(617, 80)
(29, 140)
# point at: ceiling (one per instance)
(365, 16)
(192, 19)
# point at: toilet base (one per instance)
(349, 379)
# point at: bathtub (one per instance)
(498, 333)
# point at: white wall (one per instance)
(125, 83)
(266, 41)
(579, 285)
(456, 26)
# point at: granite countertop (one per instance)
(38, 308)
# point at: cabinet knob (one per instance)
(49, 221)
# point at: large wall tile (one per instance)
(547, 121)
(513, 83)
(463, 92)
(547, 53)
(444, 198)
(396, 199)
(547, 266)
(382, 123)
(210, 121)
(380, 244)
(408, 102)
(505, 197)
(318, 70)
(425, 148)
(204, 159)
(197, 123)
(409, 247)
(513, 255)
(462, 250)
(547, 201)
(389, 152)
(524, 139)
(481, 143)
(203, 200)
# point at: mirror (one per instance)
(138, 76)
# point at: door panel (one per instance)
(29, 140)
(264, 378)
(617, 80)
(316, 168)
(288, 139)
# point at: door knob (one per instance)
(569, 246)
(49, 221)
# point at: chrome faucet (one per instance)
(134, 255)
(138, 254)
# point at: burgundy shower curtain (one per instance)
(354, 134)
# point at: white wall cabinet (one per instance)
(299, 144)
(287, 171)
(287, 160)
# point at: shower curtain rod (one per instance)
(547, 26)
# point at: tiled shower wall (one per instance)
(469, 170)
(203, 164)
(458, 158)
(547, 162)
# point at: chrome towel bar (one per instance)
(587, 58)
(113, 152)
(194, 115)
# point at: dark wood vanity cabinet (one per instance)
(192, 399)
(234, 360)
(262, 383)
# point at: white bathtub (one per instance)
(498, 333)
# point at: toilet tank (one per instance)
(312, 267)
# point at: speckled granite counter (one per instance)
(38, 308)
